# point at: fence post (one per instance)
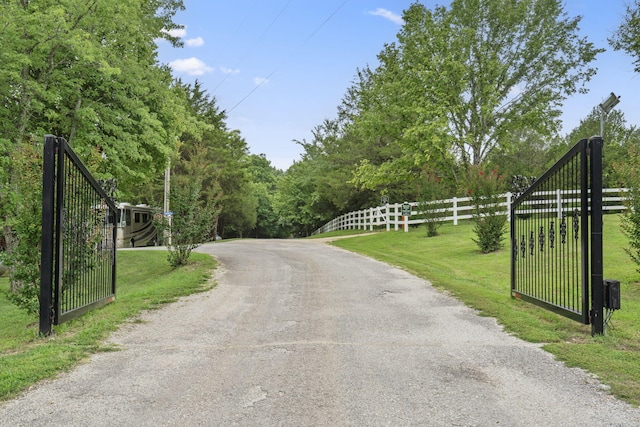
(395, 217)
(388, 216)
(455, 211)
(406, 220)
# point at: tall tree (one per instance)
(296, 200)
(459, 80)
(526, 154)
(220, 159)
(355, 151)
(85, 70)
(627, 36)
(618, 138)
(265, 178)
(88, 71)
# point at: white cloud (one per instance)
(387, 14)
(198, 41)
(191, 66)
(259, 81)
(176, 32)
(226, 70)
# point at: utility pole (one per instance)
(166, 213)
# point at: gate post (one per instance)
(597, 286)
(47, 253)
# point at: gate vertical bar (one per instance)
(514, 245)
(60, 224)
(584, 228)
(597, 287)
(114, 238)
(48, 218)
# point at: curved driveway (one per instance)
(299, 333)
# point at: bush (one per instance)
(485, 188)
(20, 219)
(432, 191)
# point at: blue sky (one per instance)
(280, 67)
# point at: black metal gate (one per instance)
(78, 263)
(554, 264)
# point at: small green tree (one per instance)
(630, 173)
(190, 225)
(484, 189)
(429, 205)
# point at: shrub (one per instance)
(20, 218)
(191, 223)
(432, 191)
(485, 188)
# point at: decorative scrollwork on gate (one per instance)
(563, 229)
(520, 184)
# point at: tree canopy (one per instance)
(627, 36)
(471, 83)
(460, 79)
(88, 71)
(474, 82)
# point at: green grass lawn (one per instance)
(144, 281)
(453, 263)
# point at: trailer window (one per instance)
(123, 217)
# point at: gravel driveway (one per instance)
(299, 333)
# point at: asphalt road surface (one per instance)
(299, 333)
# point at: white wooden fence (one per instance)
(456, 209)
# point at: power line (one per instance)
(313, 33)
(273, 21)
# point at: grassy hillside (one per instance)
(452, 262)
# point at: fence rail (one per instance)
(461, 208)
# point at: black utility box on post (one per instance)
(612, 294)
